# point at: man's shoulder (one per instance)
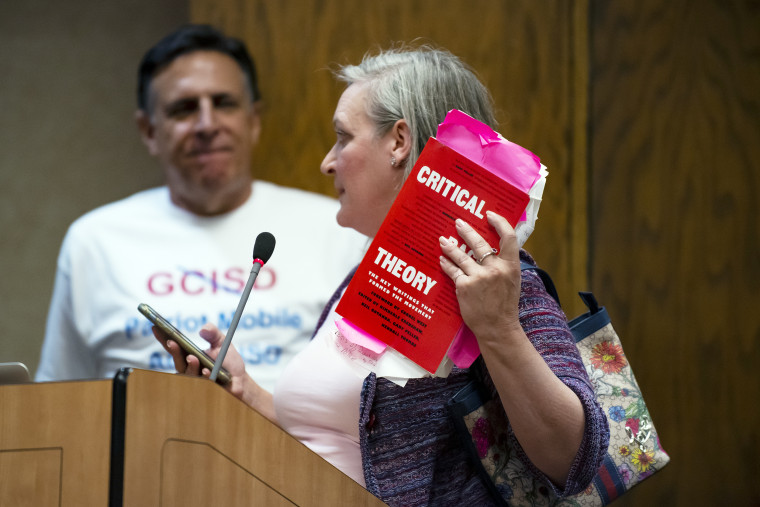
(129, 208)
(268, 190)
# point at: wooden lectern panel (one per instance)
(55, 442)
(31, 477)
(190, 487)
(187, 439)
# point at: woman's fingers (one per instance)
(184, 362)
(508, 247)
(233, 362)
(487, 281)
(212, 335)
(480, 249)
(473, 239)
(193, 366)
(174, 350)
(451, 269)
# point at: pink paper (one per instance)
(511, 162)
(464, 349)
(484, 146)
(355, 335)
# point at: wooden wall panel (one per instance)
(672, 139)
(529, 53)
(675, 161)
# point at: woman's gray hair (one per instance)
(420, 85)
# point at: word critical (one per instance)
(459, 196)
(406, 272)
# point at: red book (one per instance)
(399, 294)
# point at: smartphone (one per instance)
(223, 377)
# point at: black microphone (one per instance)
(262, 251)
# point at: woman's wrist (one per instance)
(257, 398)
(498, 336)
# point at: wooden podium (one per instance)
(154, 439)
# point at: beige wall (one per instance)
(67, 138)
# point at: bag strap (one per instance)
(333, 299)
(583, 325)
(545, 278)
(590, 322)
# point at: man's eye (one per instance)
(225, 102)
(182, 109)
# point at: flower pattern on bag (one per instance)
(482, 435)
(634, 446)
(608, 357)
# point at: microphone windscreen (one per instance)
(263, 247)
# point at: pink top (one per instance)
(317, 401)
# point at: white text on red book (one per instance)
(442, 185)
(406, 272)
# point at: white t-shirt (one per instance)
(192, 269)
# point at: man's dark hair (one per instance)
(188, 39)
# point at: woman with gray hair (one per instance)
(419, 86)
(396, 441)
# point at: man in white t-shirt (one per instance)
(186, 248)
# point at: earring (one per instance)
(393, 161)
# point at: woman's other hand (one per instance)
(242, 385)
(488, 291)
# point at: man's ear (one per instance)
(401, 136)
(147, 131)
(255, 124)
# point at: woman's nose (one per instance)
(328, 163)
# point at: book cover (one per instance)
(399, 293)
